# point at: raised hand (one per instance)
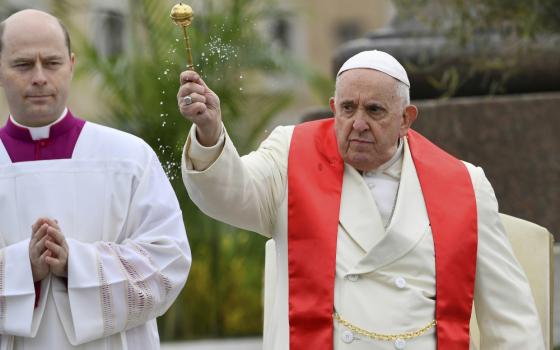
(200, 105)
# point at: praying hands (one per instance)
(48, 251)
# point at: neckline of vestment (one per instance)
(392, 167)
(24, 133)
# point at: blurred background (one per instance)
(485, 75)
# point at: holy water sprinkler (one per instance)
(182, 15)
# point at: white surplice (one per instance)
(128, 252)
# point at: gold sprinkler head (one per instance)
(182, 14)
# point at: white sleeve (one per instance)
(243, 191)
(115, 286)
(198, 157)
(505, 308)
(18, 315)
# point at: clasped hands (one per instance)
(48, 250)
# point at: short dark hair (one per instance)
(64, 30)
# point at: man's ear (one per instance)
(331, 104)
(409, 116)
(72, 61)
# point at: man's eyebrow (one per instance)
(53, 57)
(30, 59)
(21, 60)
(375, 104)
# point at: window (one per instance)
(346, 31)
(282, 33)
(111, 33)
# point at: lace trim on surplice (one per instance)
(163, 279)
(106, 299)
(140, 296)
(140, 299)
(3, 304)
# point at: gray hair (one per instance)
(403, 91)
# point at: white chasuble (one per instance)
(128, 252)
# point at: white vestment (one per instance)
(385, 278)
(128, 252)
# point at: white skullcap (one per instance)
(377, 60)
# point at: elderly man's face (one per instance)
(369, 117)
(35, 68)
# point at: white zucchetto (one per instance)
(377, 60)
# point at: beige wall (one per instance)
(322, 18)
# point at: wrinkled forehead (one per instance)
(364, 81)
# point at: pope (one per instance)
(383, 240)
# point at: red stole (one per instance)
(315, 172)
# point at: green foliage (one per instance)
(465, 19)
(223, 296)
(487, 39)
